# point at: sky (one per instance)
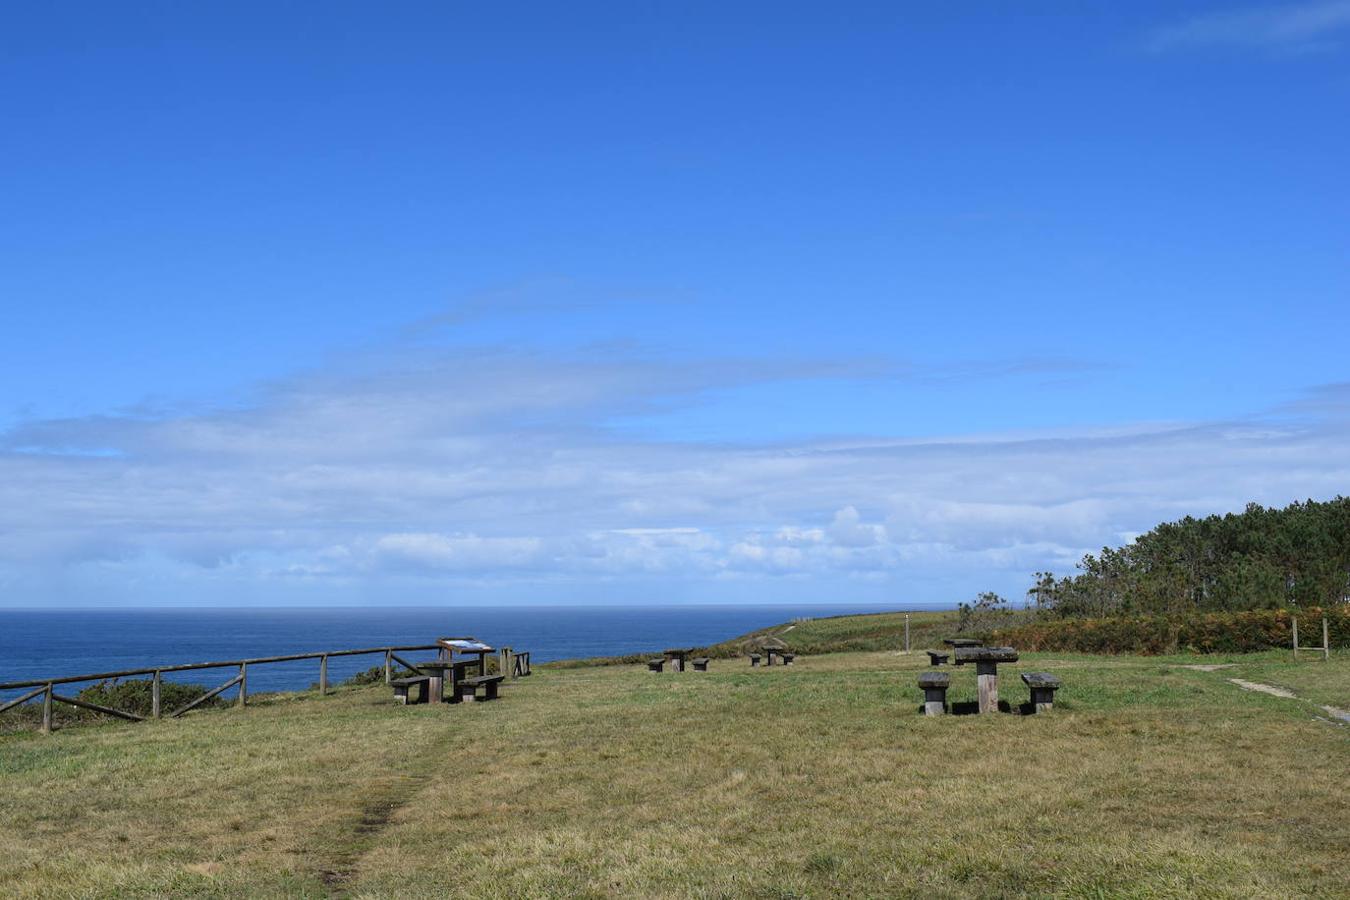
(460, 303)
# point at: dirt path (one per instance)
(1270, 689)
(1334, 711)
(347, 845)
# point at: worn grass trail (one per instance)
(818, 780)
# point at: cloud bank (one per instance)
(496, 474)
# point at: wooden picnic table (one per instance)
(466, 646)
(676, 659)
(436, 672)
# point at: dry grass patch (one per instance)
(817, 780)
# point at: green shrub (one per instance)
(1242, 632)
(134, 696)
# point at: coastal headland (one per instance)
(1153, 775)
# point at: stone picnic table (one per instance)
(986, 660)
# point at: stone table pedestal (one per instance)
(986, 660)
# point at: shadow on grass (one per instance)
(972, 708)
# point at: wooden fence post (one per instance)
(47, 710)
(1295, 621)
(323, 674)
(154, 694)
(243, 684)
(906, 632)
(1326, 641)
(388, 667)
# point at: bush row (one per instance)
(1242, 632)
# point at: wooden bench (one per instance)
(700, 663)
(934, 686)
(401, 685)
(656, 665)
(467, 690)
(787, 657)
(937, 659)
(1043, 686)
(754, 659)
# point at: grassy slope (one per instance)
(817, 780)
(832, 634)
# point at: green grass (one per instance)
(831, 634)
(818, 780)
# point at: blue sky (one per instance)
(628, 302)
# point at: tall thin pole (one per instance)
(1326, 642)
(906, 632)
(1295, 621)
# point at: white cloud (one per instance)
(849, 530)
(498, 469)
(1292, 28)
(459, 551)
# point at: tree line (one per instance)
(1260, 558)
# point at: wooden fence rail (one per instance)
(45, 687)
(1326, 641)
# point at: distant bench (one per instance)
(934, 686)
(700, 663)
(1043, 686)
(466, 690)
(937, 659)
(401, 686)
(787, 656)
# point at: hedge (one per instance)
(1242, 632)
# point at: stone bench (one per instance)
(467, 690)
(937, 659)
(1043, 686)
(754, 659)
(700, 663)
(655, 665)
(787, 658)
(934, 686)
(401, 685)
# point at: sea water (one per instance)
(52, 644)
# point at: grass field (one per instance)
(1150, 779)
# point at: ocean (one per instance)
(51, 644)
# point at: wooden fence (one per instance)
(46, 687)
(1326, 640)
